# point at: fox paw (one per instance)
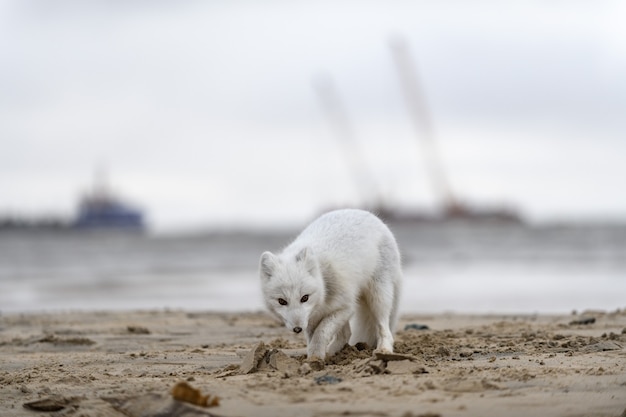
(314, 363)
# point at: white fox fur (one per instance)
(339, 281)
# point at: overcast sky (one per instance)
(204, 112)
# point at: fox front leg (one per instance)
(328, 328)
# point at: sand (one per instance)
(127, 363)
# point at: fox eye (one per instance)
(282, 302)
(304, 299)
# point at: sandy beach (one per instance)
(127, 364)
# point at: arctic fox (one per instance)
(338, 282)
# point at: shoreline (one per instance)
(121, 363)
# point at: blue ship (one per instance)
(103, 210)
(108, 214)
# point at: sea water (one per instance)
(448, 268)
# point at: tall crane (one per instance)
(423, 124)
(364, 182)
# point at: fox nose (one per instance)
(297, 329)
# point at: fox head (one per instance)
(292, 287)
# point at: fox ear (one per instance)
(303, 255)
(307, 257)
(267, 265)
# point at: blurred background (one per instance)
(150, 151)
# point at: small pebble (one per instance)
(583, 321)
(415, 326)
(327, 380)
